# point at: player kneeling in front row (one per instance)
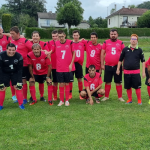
(40, 70)
(11, 66)
(93, 86)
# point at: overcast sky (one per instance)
(94, 8)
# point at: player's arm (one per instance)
(89, 94)
(7, 34)
(102, 59)
(31, 71)
(48, 79)
(143, 64)
(72, 61)
(1, 74)
(96, 89)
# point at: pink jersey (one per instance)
(92, 83)
(4, 41)
(23, 47)
(51, 45)
(147, 63)
(79, 50)
(63, 55)
(40, 64)
(93, 54)
(113, 51)
(43, 45)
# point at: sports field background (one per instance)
(110, 125)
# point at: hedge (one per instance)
(104, 32)
(44, 33)
(6, 22)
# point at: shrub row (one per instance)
(6, 22)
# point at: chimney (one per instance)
(129, 6)
(123, 7)
(50, 12)
(115, 7)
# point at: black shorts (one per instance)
(13, 77)
(78, 71)
(109, 72)
(132, 81)
(94, 94)
(26, 74)
(40, 78)
(147, 77)
(86, 70)
(64, 77)
(54, 75)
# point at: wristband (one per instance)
(47, 77)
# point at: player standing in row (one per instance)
(51, 45)
(79, 48)
(93, 86)
(131, 55)
(93, 52)
(64, 62)
(4, 41)
(36, 39)
(40, 70)
(111, 51)
(23, 47)
(11, 66)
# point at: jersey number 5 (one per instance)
(113, 51)
(63, 54)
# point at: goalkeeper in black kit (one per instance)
(11, 65)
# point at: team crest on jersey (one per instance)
(42, 60)
(3, 42)
(96, 80)
(117, 44)
(58, 46)
(67, 46)
(80, 47)
(15, 61)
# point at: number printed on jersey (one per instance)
(92, 87)
(92, 53)
(63, 54)
(78, 53)
(11, 66)
(38, 66)
(113, 51)
(1, 48)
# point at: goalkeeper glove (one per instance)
(2, 86)
(19, 86)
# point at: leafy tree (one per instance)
(91, 21)
(112, 11)
(69, 14)
(76, 3)
(144, 5)
(132, 6)
(144, 20)
(6, 22)
(3, 10)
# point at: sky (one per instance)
(94, 8)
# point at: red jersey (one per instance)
(147, 63)
(43, 45)
(51, 45)
(92, 83)
(113, 51)
(93, 54)
(79, 51)
(40, 64)
(23, 47)
(4, 41)
(63, 55)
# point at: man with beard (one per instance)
(111, 51)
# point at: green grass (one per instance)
(110, 125)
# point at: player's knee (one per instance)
(83, 94)
(101, 91)
(31, 83)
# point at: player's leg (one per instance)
(118, 81)
(136, 84)
(55, 84)
(13, 92)
(50, 92)
(128, 87)
(108, 74)
(148, 84)
(32, 91)
(71, 84)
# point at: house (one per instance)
(46, 20)
(125, 17)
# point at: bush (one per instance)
(6, 22)
(44, 33)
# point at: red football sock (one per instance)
(129, 93)
(99, 95)
(80, 86)
(19, 97)
(41, 89)
(107, 90)
(55, 90)
(33, 92)
(12, 89)
(67, 88)
(61, 93)
(148, 90)
(119, 90)
(138, 93)
(50, 91)
(25, 89)
(2, 97)
(70, 86)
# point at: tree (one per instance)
(144, 20)
(76, 3)
(132, 6)
(144, 5)
(6, 22)
(69, 14)
(91, 21)
(4, 10)
(112, 11)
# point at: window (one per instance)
(48, 22)
(109, 21)
(125, 20)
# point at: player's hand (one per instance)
(32, 80)
(46, 52)
(118, 72)
(91, 102)
(122, 68)
(19, 86)
(143, 75)
(102, 67)
(30, 40)
(100, 71)
(149, 80)
(70, 68)
(2, 86)
(48, 80)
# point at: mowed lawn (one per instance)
(110, 125)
